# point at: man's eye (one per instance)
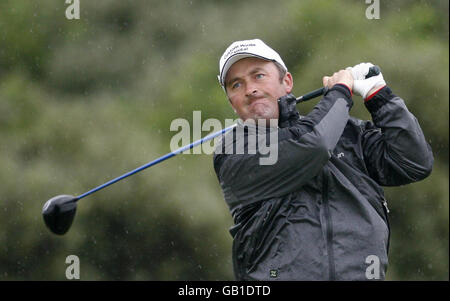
(236, 85)
(260, 75)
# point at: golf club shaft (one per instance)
(312, 94)
(305, 97)
(159, 160)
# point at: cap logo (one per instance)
(237, 49)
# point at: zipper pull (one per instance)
(385, 205)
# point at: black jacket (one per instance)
(319, 212)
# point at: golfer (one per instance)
(319, 211)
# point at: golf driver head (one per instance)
(59, 212)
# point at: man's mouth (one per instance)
(258, 101)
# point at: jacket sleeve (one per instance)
(303, 149)
(394, 146)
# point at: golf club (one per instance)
(59, 211)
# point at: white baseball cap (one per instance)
(243, 49)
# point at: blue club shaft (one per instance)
(305, 97)
(156, 161)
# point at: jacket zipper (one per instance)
(385, 205)
(329, 229)
(387, 223)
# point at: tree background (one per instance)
(84, 101)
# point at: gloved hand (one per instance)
(361, 85)
(288, 114)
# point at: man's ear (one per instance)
(288, 82)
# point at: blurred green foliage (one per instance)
(84, 101)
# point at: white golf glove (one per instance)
(361, 85)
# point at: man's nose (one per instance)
(251, 90)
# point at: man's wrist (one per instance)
(379, 99)
(373, 92)
(346, 86)
(344, 91)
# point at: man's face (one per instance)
(253, 87)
